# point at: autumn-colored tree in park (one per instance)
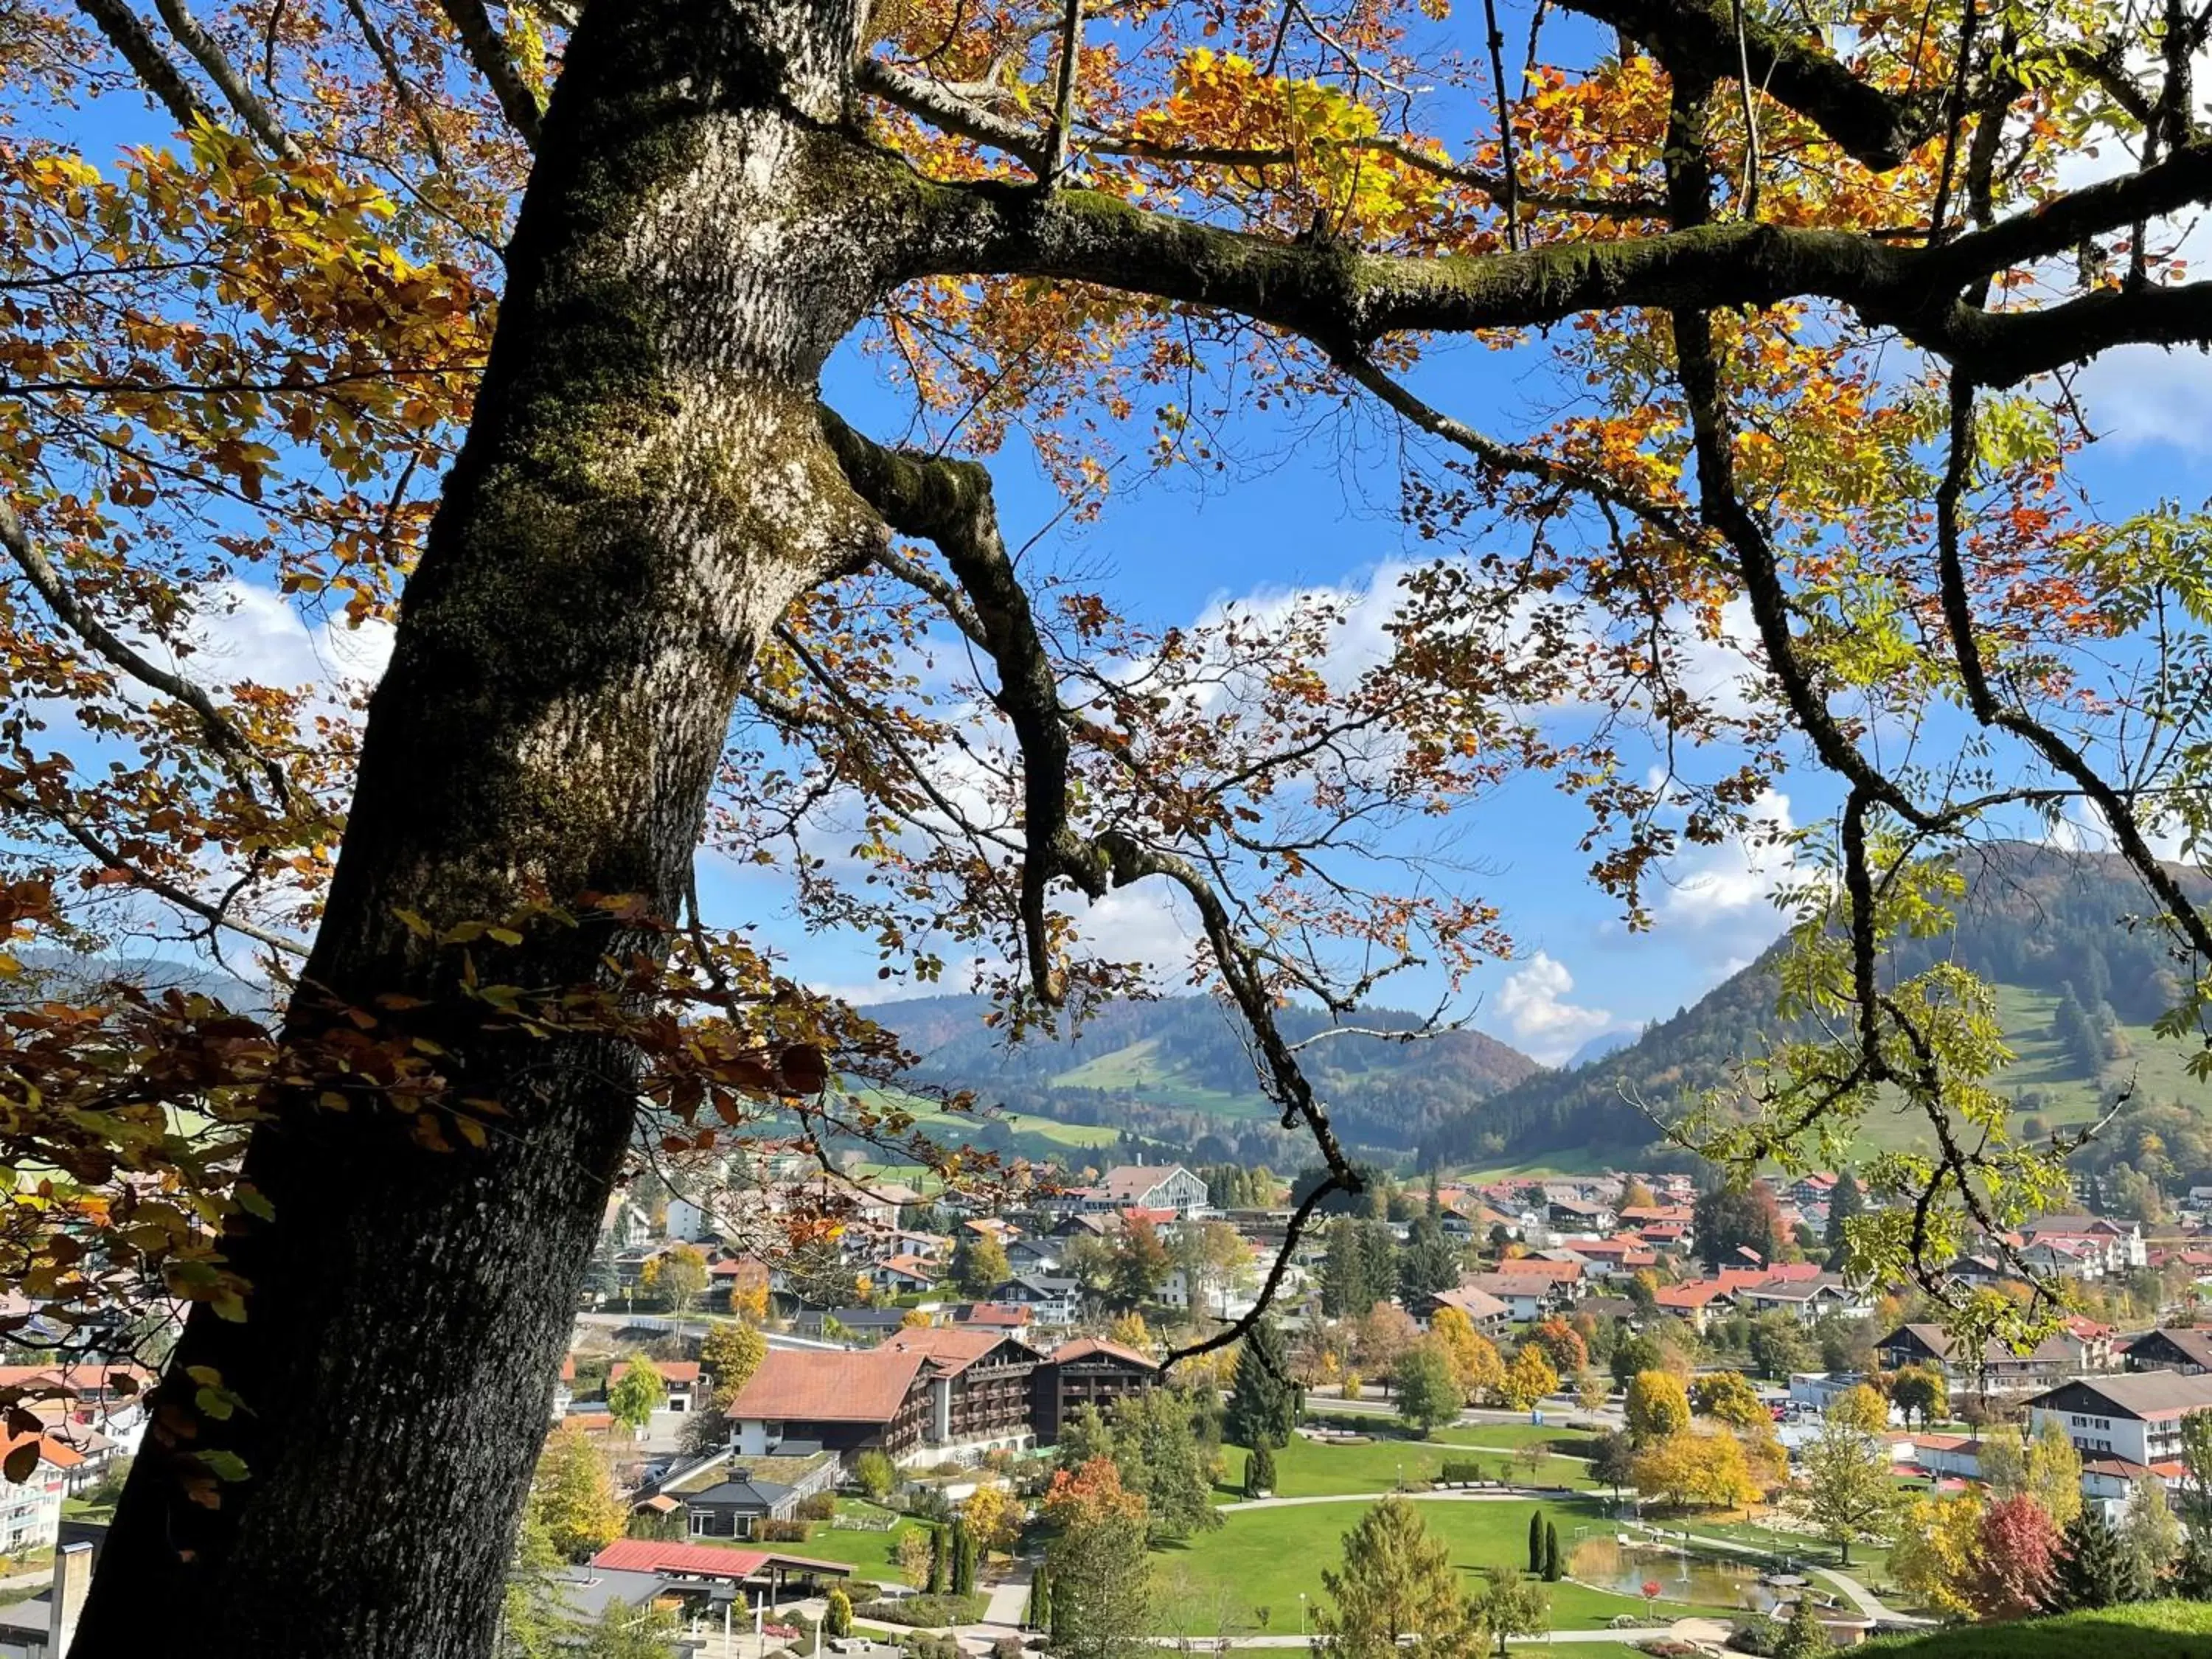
(1474, 1359)
(573, 1496)
(523, 311)
(1562, 1344)
(2017, 1556)
(1658, 1405)
(1530, 1379)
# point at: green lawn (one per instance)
(871, 1552)
(1264, 1557)
(2149, 1629)
(1457, 1434)
(1561, 1437)
(1311, 1468)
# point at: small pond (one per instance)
(1602, 1562)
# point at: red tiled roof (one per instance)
(998, 1316)
(912, 1266)
(50, 1450)
(1695, 1294)
(656, 1555)
(1084, 1347)
(809, 1386)
(952, 1348)
(76, 1379)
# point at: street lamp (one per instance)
(1302, 1615)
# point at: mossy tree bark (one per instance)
(644, 490)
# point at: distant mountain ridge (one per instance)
(2048, 928)
(1604, 1043)
(48, 973)
(1176, 1068)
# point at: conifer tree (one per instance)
(1397, 1582)
(1260, 1472)
(1803, 1637)
(1844, 1202)
(963, 1559)
(2095, 1568)
(1536, 1541)
(1263, 1401)
(1553, 1571)
(940, 1560)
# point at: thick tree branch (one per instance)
(130, 37)
(210, 57)
(942, 107)
(949, 502)
(488, 50)
(1343, 299)
(1698, 40)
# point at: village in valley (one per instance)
(1620, 1412)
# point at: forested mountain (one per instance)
(58, 975)
(1177, 1071)
(2078, 985)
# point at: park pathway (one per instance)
(1868, 1604)
(1010, 1598)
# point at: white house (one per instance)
(2135, 1416)
(31, 1509)
(1148, 1187)
(1809, 1299)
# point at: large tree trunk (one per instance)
(644, 489)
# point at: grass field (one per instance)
(2149, 1629)
(1264, 1558)
(2158, 1070)
(870, 1551)
(1309, 1468)
(1136, 1068)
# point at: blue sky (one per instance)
(1175, 545)
(1316, 510)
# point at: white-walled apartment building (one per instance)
(2135, 1416)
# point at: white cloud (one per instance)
(2083, 827)
(250, 633)
(1533, 1004)
(1718, 901)
(2140, 395)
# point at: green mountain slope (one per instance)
(2077, 990)
(1176, 1071)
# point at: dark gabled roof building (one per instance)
(1085, 1372)
(2187, 1351)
